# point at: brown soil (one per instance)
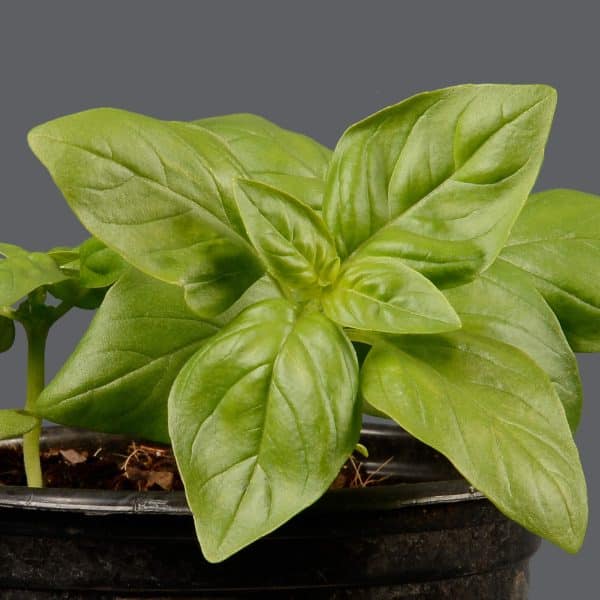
(140, 467)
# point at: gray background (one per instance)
(314, 67)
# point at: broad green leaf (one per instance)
(439, 179)
(99, 266)
(493, 412)
(289, 161)
(502, 303)
(158, 193)
(14, 423)
(119, 376)
(7, 333)
(262, 419)
(557, 241)
(21, 272)
(386, 295)
(289, 236)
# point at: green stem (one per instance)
(36, 346)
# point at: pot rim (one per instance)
(125, 502)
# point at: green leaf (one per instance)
(72, 292)
(502, 303)
(66, 258)
(265, 288)
(119, 376)
(11, 251)
(439, 179)
(557, 241)
(15, 423)
(7, 333)
(100, 266)
(493, 412)
(290, 237)
(244, 415)
(158, 193)
(289, 161)
(386, 295)
(21, 272)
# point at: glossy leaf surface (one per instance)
(290, 237)
(492, 411)
(289, 161)
(159, 193)
(22, 272)
(503, 304)
(557, 241)
(439, 179)
(14, 423)
(243, 415)
(119, 376)
(386, 295)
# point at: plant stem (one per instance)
(36, 346)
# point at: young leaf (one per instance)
(243, 415)
(557, 241)
(66, 258)
(15, 423)
(439, 179)
(71, 291)
(386, 295)
(119, 376)
(290, 237)
(502, 303)
(7, 333)
(22, 272)
(492, 411)
(159, 193)
(289, 161)
(99, 266)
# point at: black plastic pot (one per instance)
(430, 537)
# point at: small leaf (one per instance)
(503, 304)
(386, 295)
(492, 411)
(557, 241)
(22, 272)
(15, 423)
(7, 333)
(243, 415)
(158, 193)
(119, 376)
(291, 238)
(289, 161)
(439, 179)
(100, 266)
(362, 450)
(72, 292)
(66, 258)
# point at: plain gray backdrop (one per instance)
(314, 67)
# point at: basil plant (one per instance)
(36, 290)
(257, 259)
